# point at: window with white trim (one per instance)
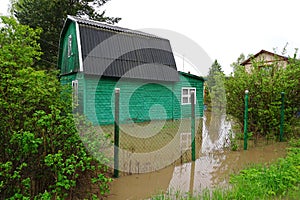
(75, 92)
(70, 46)
(186, 95)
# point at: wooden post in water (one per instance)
(116, 133)
(192, 178)
(193, 125)
(246, 121)
(282, 117)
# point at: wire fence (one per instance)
(147, 146)
(152, 145)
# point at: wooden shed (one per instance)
(95, 58)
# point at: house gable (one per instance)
(68, 54)
(112, 51)
(265, 58)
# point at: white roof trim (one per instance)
(79, 47)
(78, 42)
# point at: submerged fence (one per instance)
(141, 147)
(137, 146)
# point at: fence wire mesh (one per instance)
(150, 146)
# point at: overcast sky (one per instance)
(224, 29)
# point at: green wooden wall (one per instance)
(139, 100)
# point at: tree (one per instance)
(213, 70)
(41, 153)
(50, 16)
(215, 91)
(238, 62)
(217, 94)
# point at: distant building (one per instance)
(265, 59)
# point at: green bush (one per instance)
(265, 84)
(41, 153)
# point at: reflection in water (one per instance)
(215, 134)
(212, 167)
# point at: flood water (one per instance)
(213, 166)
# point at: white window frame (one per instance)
(188, 95)
(75, 92)
(70, 53)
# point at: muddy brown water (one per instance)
(213, 165)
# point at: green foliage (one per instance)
(215, 90)
(239, 61)
(217, 94)
(50, 16)
(234, 145)
(213, 71)
(265, 84)
(41, 153)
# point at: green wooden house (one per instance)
(95, 58)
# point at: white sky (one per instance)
(224, 29)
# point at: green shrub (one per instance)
(265, 85)
(41, 153)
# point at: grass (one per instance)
(280, 180)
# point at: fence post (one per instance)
(116, 133)
(193, 125)
(282, 117)
(246, 121)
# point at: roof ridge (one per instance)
(260, 52)
(111, 26)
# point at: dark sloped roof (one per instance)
(192, 76)
(119, 52)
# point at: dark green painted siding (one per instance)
(69, 64)
(139, 100)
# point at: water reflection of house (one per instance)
(265, 59)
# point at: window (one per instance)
(186, 95)
(75, 92)
(70, 46)
(267, 69)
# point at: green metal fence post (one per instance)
(116, 133)
(282, 117)
(193, 125)
(246, 121)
